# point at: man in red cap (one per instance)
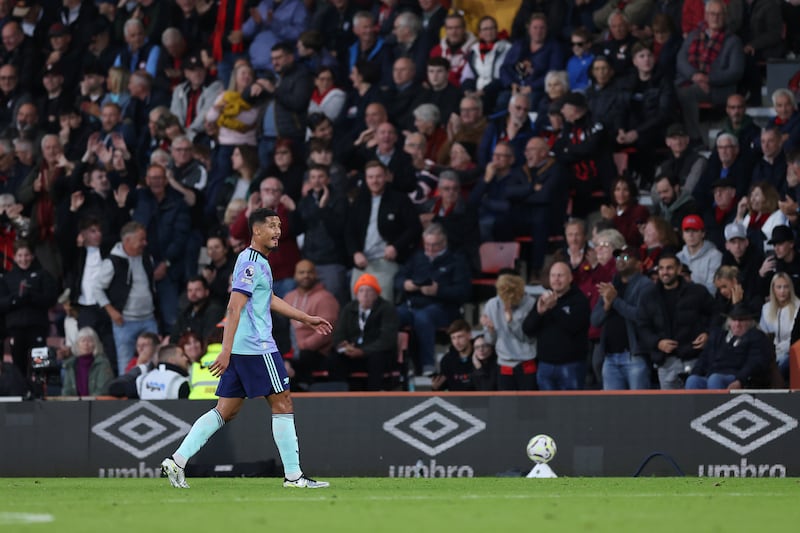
(701, 256)
(365, 337)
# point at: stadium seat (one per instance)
(496, 256)
(794, 366)
(396, 375)
(621, 162)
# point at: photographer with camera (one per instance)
(26, 293)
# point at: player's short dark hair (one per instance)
(459, 325)
(259, 216)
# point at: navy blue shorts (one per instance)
(251, 376)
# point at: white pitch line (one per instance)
(9, 519)
(344, 497)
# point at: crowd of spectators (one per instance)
(392, 138)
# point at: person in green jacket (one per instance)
(87, 372)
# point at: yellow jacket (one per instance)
(203, 384)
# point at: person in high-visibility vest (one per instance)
(202, 382)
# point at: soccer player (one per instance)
(249, 363)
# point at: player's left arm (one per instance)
(320, 325)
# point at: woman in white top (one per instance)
(778, 315)
(326, 98)
(482, 71)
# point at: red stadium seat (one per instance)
(496, 256)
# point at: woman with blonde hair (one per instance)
(235, 112)
(731, 291)
(87, 372)
(502, 321)
(778, 316)
(117, 87)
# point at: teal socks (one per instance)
(201, 431)
(285, 435)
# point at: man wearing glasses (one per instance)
(582, 57)
(435, 282)
(625, 365)
(731, 164)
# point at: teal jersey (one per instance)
(252, 277)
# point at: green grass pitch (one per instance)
(242, 505)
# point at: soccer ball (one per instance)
(541, 449)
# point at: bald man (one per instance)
(309, 348)
(539, 201)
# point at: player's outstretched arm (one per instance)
(320, 325)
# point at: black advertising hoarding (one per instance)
(408, 435)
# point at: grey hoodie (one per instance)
(511, 344)
(703, 264)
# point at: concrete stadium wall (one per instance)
(418, 434)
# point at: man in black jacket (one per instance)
(392, 155)
(739, 252)
(728, 162)
(201, 314)
(365, 337)
(456, 367)
(734, 358)
(402, 93)
(674, 317)
(81, 265)
(560, 323)
(376, 244)
(539, 200)
(291, 93)
(26, 293)
(673, 203)
(584, 147)
(321, 217)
